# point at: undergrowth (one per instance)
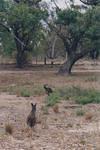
(78, 94)
(53, 98)
(24, 91)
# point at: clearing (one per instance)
(69, 129)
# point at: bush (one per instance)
(25, 93)
(38, 90)
(92, 79)
(80, 95)
(53, 99)
(23, 90)
(89, 96)
(80, 112)
(70, 92)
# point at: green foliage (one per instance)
(94, 30)
(73, 20)
(90, 96)
(8, 44)
(25, 15)
(91, 79)
(78, 94)
(24, 21)
(3, 5)
(67, 16)
(25, 93)
(80, 112)
(27, 19)
(38, 90)
(53, 99)
(80, 33)
(69, 92)
(81, 96)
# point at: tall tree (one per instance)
(79, 31)
(22, 19)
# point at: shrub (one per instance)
(80, 95)
(89, 96)
(25, 93)
(70, 92)
(53, 99)
(92, 79)
(8, 128)
(38, 90)
(80, 112)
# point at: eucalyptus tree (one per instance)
(23, 20)
(79, 32)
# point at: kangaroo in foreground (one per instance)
(31, 119)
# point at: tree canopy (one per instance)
(22, 31)
(23, 20)
(79, 32)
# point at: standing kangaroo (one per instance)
(31, 119)
(48, 89)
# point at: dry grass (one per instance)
(88, 116)
(8, 129)
(80, 112)
(45, 110)
(56, 108)
(58, 131)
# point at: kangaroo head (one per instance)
(33, 107)
(45, 85)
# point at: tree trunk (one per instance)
(45, 60)
(20, 57)
(36, 59)
(72, 57)
(68, 64)
(52, 63)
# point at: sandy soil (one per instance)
(54, 131)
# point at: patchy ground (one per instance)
(65, 130)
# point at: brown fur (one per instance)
(48, 90)
(31, 119)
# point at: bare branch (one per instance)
(5, 26)
(9, 30)
(57, 7)
(90, 2)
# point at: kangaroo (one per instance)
(31, 119)
(48, 89)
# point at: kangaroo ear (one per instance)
(32, 104)
(35, 104)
